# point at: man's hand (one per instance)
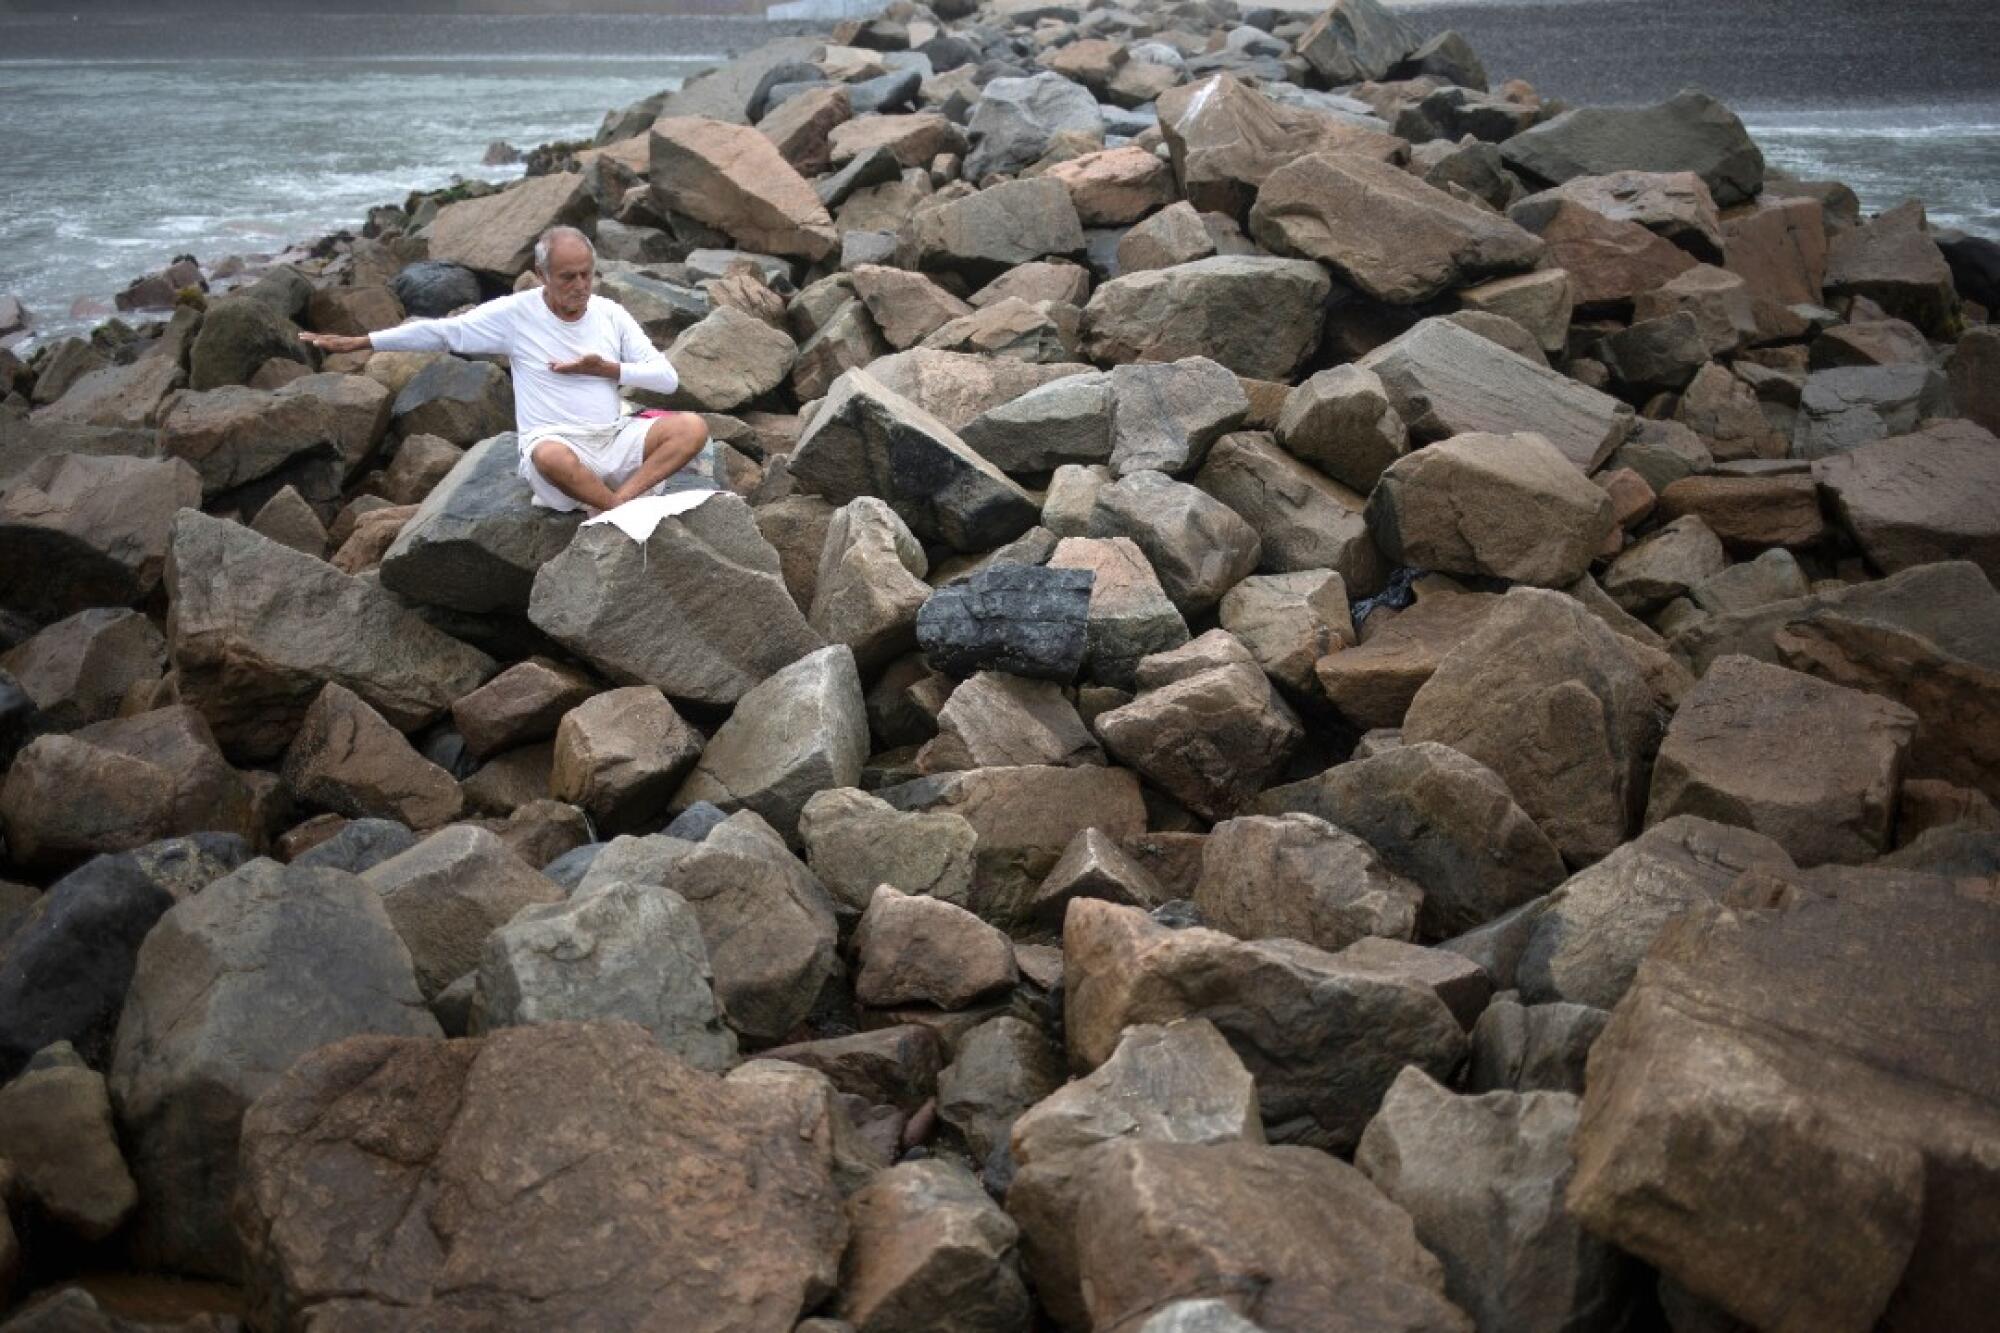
(587, 365)
(335, 342)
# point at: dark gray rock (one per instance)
(1016, 119)
(869, 440)
(477, 541)
(20, 720)
(361, 844)
(567, 871)
(693, 824)
(1532, 1047)
(64, 971)
(1028, 620)
(460, 401)
(238, 334)
(431, 289)
(885, 93)
(1690, 131)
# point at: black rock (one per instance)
(239, 334)
(20, 720)
(64, 973)
(1975, 265)
(360, 846)
(877, 166)
(443, 746)
(1024, 619)
(432, 288)
(693, 824)
(894, 91)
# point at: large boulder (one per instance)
(707, 622)
(1341, 422)
(802, 731)
(258, 628)
(618, 951)
(735, 180)
(956, 387)
(520, 706)
(459, 402)
(1015, 120)
(1322, 1037)
(1503, 506)
(1849, 406)
(1441, 818)
(1816, 766)
(1205, 308)
(126, 398)
(477, 541)
(1065, 421)
(1829, 1058)
(729, 360)
(63, 1146)
(238, 334)
(1611, 263)
(432, 289)
(1690, 131)
(1372, 685)
(1445, 380)
(913, 949)
(230, 988)
(78, 531)
(995, 719)
(1164, 418)
(1299, 1232)
(496, 233)
(1023, 619)
(78, 670)
(120, 784)
(233, 436)
(519, 1152)
(620, 756)
(1544, 694)
(1893, 261)
(1920, 498)
(1383, 231)
(855, 841)
(1586, 942)
(1483, 1179)
(866, 439)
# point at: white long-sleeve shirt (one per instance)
(523, 329)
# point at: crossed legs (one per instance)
(671, 442)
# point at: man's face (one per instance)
(566, 285)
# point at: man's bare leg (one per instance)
(670, 443)
(558, 462)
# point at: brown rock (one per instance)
(347, 759)
(734, 179)
(1609, 261)
(520, 706)
(891, 1066)
(1506, 506)
(956, 387)
(496, 233)
(1116, 187)
(520, 1148)
(1666, 564)
(1828, 1056)
(78, 531)
(121, 784)
(622, 755)
(1372, 685)
(1342, 422)
(1227, 138)
(1543, 694)
(929, 1251)
(1384, 231)
(1305, 1232)
(1197, 309)
(1323, 1040)
(79, 670)
(1813, 765)
(1211, 739)
(1750, 513)
(907, 307)
(915, 139)
(801, 128)
(1975, 376)
(1539, 302)
(1725, 413)
(1920, 498)
(1778, 247)
(996, 720)
(1094, 866)
(62, 1145)
(1298, 877)
(855, 841)
(1288, 622)
(1174, 235)
(1302, 519)
(921, 950)
(1721, 302)
(1130, 615)
(1893, 262)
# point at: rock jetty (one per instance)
(1320, 694)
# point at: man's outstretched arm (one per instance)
(482, 331)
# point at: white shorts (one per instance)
(613, 452)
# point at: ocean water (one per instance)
(126, 140)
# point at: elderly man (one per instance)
(570, 352)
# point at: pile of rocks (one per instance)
(1318, 696)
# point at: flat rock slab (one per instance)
(1921, 498)
(1444, 380)
(1690, 131)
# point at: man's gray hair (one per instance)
(547, 240)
